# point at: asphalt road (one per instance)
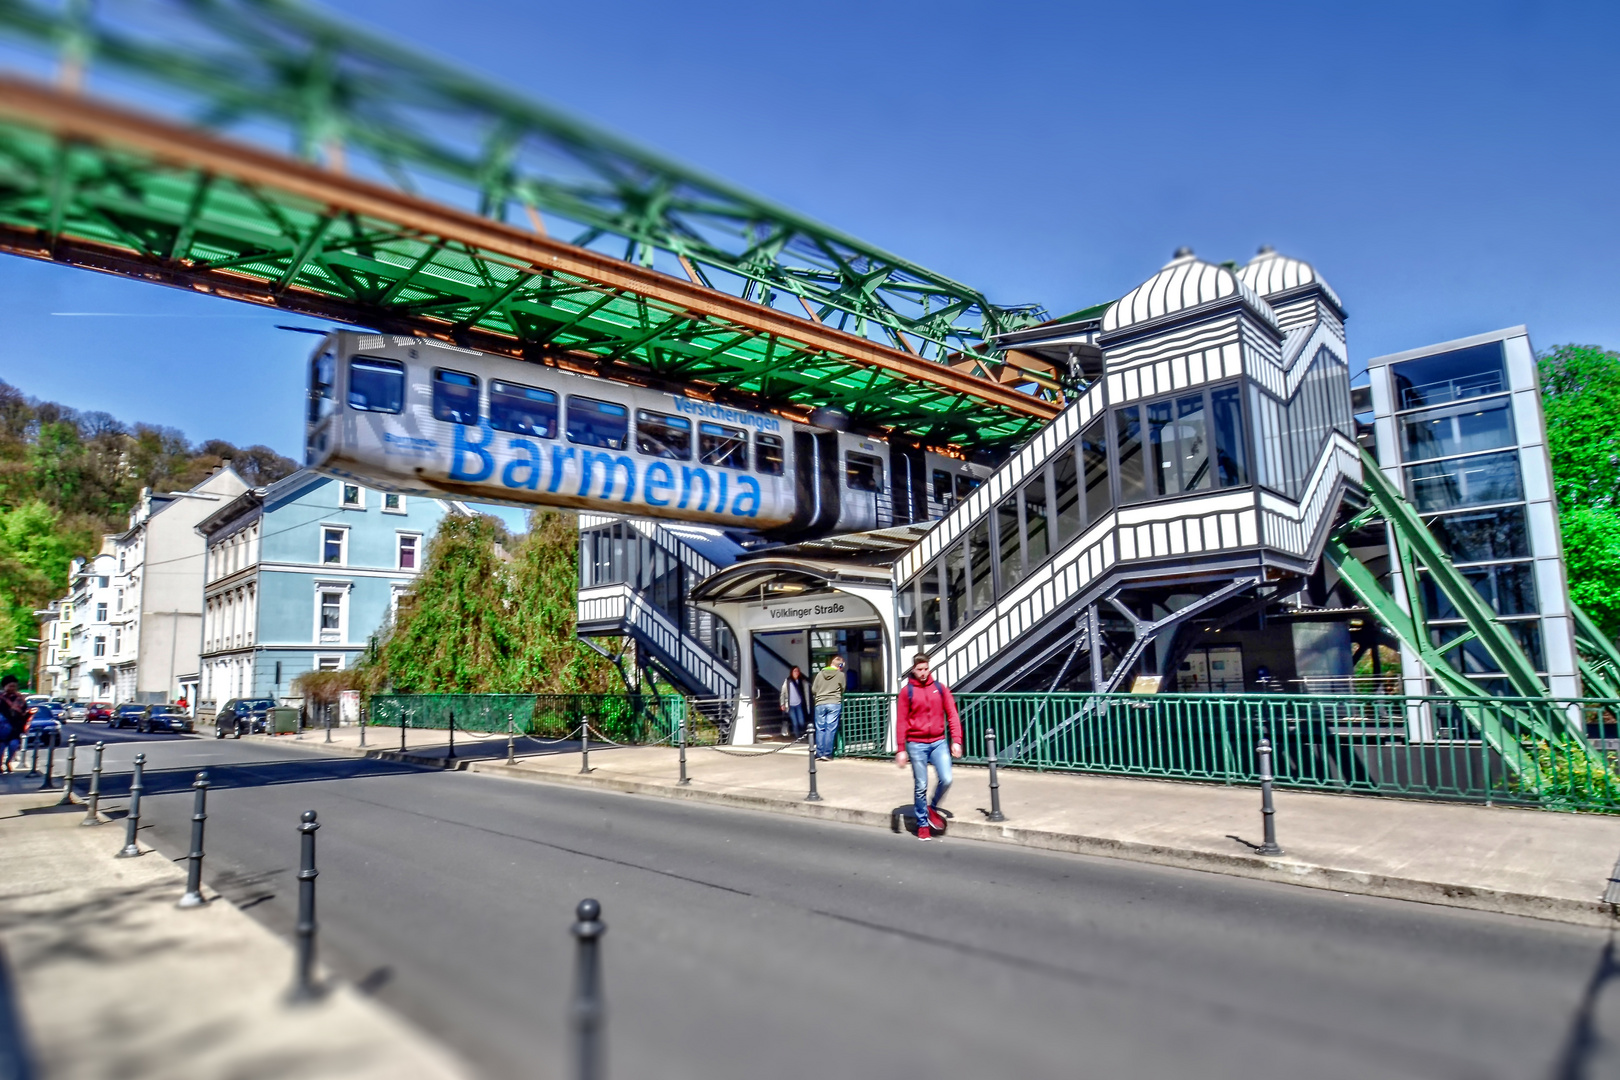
(746, 945)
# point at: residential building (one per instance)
(157, 588)
(84, 631)
(300, 575)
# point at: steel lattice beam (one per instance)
(508, 178)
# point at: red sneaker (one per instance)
(924, 833)
(936, 819)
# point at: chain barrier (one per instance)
(805, 738)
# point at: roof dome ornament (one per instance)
(1183, 253)
(1269, 273)
(1184, 282)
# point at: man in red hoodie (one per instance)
(923, 713)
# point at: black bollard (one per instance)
(132, 823)
(1268, 813)
(682, 733)
(584, 747)
(50, 767)
(199, 813)
(304, 986)
(328, 723)
(362, 725)
(511, 734)
(995, 782)
(92, 815)
(809, 739)
(452, 755)
(402, 731)
(588, 1007)
(68, 798)
(33, 764)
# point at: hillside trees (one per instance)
(1580, 387)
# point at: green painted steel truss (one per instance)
(824, 319)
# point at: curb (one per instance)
(1284, 870)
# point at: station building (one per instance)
(1168, 531)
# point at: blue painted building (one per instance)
(298, 577)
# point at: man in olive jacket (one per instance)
(828, 694)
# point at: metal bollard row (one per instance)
(193, 896)
(132, 824)
(68, 797)
(92, 814)
(50, 766)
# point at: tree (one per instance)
(1580, 387)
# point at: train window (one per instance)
(322, 376)
(376, 385)
(522, 410)
(863, 472)
(942, 487)
(726, 447)
(768, 455)
(598, 423)
(965, 485)
(455, 397)
(661, 435)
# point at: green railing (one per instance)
(623, 718)
(1512, 750)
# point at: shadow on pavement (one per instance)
(1584, 1039)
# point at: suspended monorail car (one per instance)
(424, 417)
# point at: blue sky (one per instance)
(1449, 168)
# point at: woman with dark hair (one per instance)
(13, 719)
(795, 700)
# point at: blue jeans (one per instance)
(796, 720)
(827, 727)
(922, 755)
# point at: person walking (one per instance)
(795, 701)
(828, 694)
(13, 716)
(924, 714)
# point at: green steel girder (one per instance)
(1599, 658)
(230, 222)
(279, 69)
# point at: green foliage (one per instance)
(34, 554)
(482, 619)
(1580, 387)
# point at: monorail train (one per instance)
(423, 417)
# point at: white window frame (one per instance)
(343, 545)
(344, 589)
(400, 509)
(330, 662)
(359, 496)
(100, 647)
(399, 548)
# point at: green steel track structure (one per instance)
(304, 163)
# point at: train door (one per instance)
(320, 432)
(866, 486)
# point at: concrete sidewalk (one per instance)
(1522, 862)
(113, 980)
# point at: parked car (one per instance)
(45, 723)
(163, 718)
(127, 715)
(98, 710)
(243, 716)
(76, 710)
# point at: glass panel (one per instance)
(1452, 376)
(1094, 465)
(598, 423)
(1471, 656)
(1128, 443)
(332, 546)
(1231, 441)
(768, 455)
(726, 447)
(863, 472)
(322, 395)
(1483, 535)
(376, 385)
(929, 599)
(979, 559)
(965, 485)
(1179, 447)
(1457, 429)
(331, 607)
(1012, 559)
(523, 410)
(1035, 538)
(942, 487)
(1066, 484)
(907, 601)
(1447, 485)
(1510, 589)
(351, 495)
(664, 436)
(455, 397)
(955, 587)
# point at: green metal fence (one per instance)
(623, 718)
(1511, 750)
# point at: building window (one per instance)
(119, 596)
(331, 616)
(121, 563)
(407, 550)
(393, 503)
(333, 542)
(352, 498)
(118, 642)
(100, 647)
(101, 612)
(329, 663)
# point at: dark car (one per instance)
(163, 718)
(127, 715)
(45, 723)
(98, 710)
(243, 716)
